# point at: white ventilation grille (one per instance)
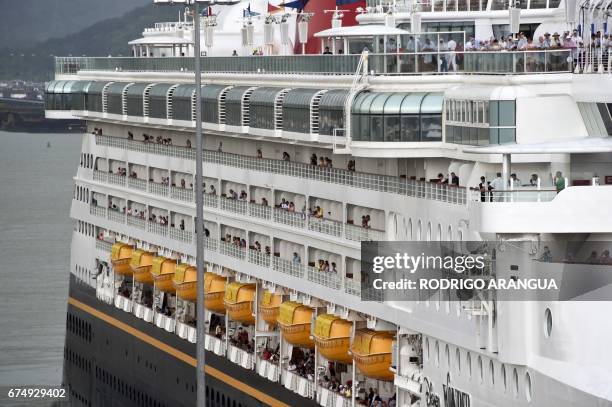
(194, 113)
(314, 111)
(278, 108)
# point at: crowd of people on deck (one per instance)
(241, 340)
(236, 241)
(302, 363)
(593, 258)
(491, 191)
(257, 247)
(271, 355)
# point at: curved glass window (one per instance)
(233, 105)
(210, 102)
(93, 96)
(114, 102)
(181, 102)
(261, 109)
(331, 111)
(134, 99)
(158, 100)
(296, 109)
(397, 117)
(65, 95)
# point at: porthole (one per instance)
(548, 322)
(458, 360)
(528, 389)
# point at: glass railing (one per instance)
(361, 180)
(524, 194)
(361, 234)
(404, 63)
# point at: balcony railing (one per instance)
(100, 176)
(230, 249)
(259, 258)
(97, 211)
(211, 201)
(525, 194)
(260, 211)
(405, 63)
(116, 216)
(103, 245)
(328, 279)
(214, 344)
(158, 189)
(268, 369)
(329, 398)
(211, 244)
(366, 181)
(136, 221)
(288, 267)
(326, 226)
(137, 183)
(295, 219)
(182, 194)
(360, 234)
(116, 179)
(157, 228)
(298, 384)
(240, 357)
(182, 235)
(234, 205)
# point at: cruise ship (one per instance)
(316, 141)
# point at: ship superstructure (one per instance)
(305, 158)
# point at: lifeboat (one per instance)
(162, 273)
(121, 255)
(214, 292)
(269, 307)
(372, 353)
(239, 302)
(294, 320)
(185, 281)
(141, 266)
(332, 335)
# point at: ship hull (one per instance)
(112, 358)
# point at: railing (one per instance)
(211, 244)
(97, 211)
(116, 216)
(240, 357)
(214, 344)
(360, 234)
(234, 205)
(328, 279)
(327, 226)
(517, 195)
(329, 398)
(259, 258)
(182, 235)
(211, 201)
(182, 194)
(230, 249)
(158, 189)
(295, 219)
(405, 63)
(137, 183)
(352, 287)
(136, 221)
(268, 369)
(116, 179)
(100, 176)
(298, 384)
(260, 211)
(374, 182)
(103, 245)
(288, 267)
(157, 228)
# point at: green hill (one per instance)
(107, 37)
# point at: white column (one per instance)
(506, 168)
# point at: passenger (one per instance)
(243, 195)
(326, 51)
(313, 159)
(264, 201)
(498, 186)
(454, 179)
(592, 259)
(514, 180)
(220, 148)
(482, 187)
(533, 181)
(286, 156)
(318, 212)
(234, 53)
(259, 153)
(440, 179)
(188, 143)
(605, 257)
(296, 258)
(182, 224)
(333, 268)
(183, 183)
(559, 181)
(321, 162)
(546, 256)
(291, 207)
(213, 191)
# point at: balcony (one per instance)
(298, 384)
(288, 267)
(116, 216)
(103, 245)
(406, 63)
(268, 369)
(365, 181)
(136, 221)
(137, 183)
(328, 279)
(294, 219)
(158, 189)
(240, 357)
(181, 235)
(260, 211)
(360, 234)
(116, 179)
(234, 205)
(214, 344)
(326, 226)
(99, 211)
(100, 176)
(157, 228)
(230, 249)
(329, 398)
(182, 194)
(211, 201)
(259, 258)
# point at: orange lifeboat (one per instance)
(141, 266)
(294, 320)
(185, 281)
(269, 307)
(121, 255)
(372, 353)
(162, 273)
(332, 335)
(239, 302)
(214, 291)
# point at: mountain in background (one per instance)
(107, 37)
(24, 23)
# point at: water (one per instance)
(36, 188)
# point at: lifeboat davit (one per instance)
(294, 320)
(214, 292)
(332, 335)
(141, 266)
(185, 281)
(269, 307)
(121, 255)
(372, 353)
(162, 273)
(239, 302)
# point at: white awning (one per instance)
(160, 40)
(570, 146)
(361, 31)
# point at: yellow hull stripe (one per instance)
(259, 395)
